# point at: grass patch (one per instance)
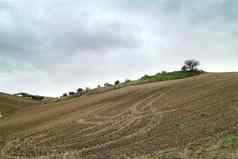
(169, 156)
(165, 76)
(230, 142)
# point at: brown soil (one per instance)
(132, 122)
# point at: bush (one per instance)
(107, 85)
(37, 97)
(65, 95)
(71, 93)
(80, 91)
(145, 77)
(117, 83)
(127, 80)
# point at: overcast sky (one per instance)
(49, 47)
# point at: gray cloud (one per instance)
(60, 30)
(52, 46)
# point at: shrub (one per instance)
(65, 95)
(117, 83)
(127, 80)
(80, 91)
(184, 68)
(71, 93)
(37, 97)
(107, 85)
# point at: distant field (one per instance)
(9, 104)
(191, 118)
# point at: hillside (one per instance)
(34, 97)
(10, 103)
(192, 118)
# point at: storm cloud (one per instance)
(49, 47)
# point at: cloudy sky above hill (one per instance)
(52, 46)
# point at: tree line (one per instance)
(189, 68)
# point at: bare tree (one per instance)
(190, 65)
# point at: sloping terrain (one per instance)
(193, 118)
(10, 103)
